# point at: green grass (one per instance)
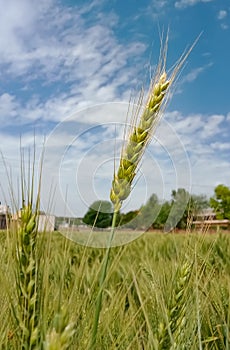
(163, 291)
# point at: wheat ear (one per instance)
(27, 272)
(26, 278)
(171, 333)
(62, 333)
(137, 142)
(140, 135)
(142, 128)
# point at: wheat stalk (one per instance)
(140, 136)
(171, 333)
(27, 275)
(26, 278)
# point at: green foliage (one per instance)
(99, 214)
(162, 216)
(178, 214)
(170, 214)
(183, 207)
(221, 202)
(128, 219)
(148, 213)
(197, 203)
(154, 214)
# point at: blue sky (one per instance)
(67, 70)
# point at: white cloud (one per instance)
(191, 76)
(221, 146)
(196, 132)
(8, 108)
(51, 42)
(159, 4)
(185, 124)
(222, 14)
(208, 172)
(208, 159)
(186, 3)
(18, 26)
(201, 126)
(97, 109)
(224, 26)
(212, 126)
(80, 156)
(194, 73)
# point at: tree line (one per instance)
(156, 214)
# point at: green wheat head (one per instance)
(28, 275)
(26, 278)
(137, 142)
(60, 337)
(171, 333)
(142, 128)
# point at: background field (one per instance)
(162, 289)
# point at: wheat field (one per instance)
(163, 291)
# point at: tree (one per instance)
(128, 219)
(183, 207)
(178, 213)
(196, 204)
(100, 214)
(148, 213)
(221, 202)
(163, 215)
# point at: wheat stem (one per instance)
(131, 155)
(103, 274)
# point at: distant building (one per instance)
(4, 211)
(206, 214)
(66, 223)
(207, 218)
(46, 222)
(3, 222)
